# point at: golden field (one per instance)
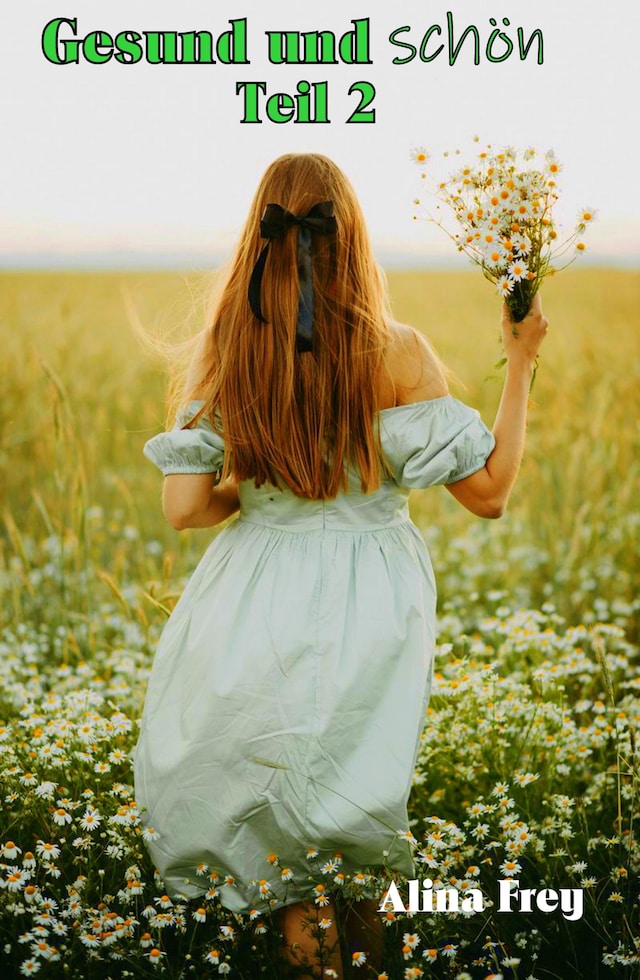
(529, 763)
(82, 396)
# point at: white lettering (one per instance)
(574, 903)
(473, 901)
(392, 895)
(507, 888)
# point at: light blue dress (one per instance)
(289, 689)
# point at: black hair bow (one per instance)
(275, 223)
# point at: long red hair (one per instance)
(299, 418)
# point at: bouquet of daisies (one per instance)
(502, 211)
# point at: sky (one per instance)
(151, 164)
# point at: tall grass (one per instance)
(535, 708)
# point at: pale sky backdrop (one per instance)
(124, 165)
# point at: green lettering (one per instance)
(455, 51)
(51, 41)
(251, 90)
(497, 33)
(197, 48)
(303, 114)
(92, 44)
(402, 44)
(129, 50)
(275, 105)
(153, 52)
(320, 102)
(363, 114)
(283, 47)
(434, 29)
(232, 45)
(354, 45)
(325, 48)
(169, 54)
(524, 51)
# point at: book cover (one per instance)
(135, 137)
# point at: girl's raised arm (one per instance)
(486, 492)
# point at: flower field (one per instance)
(528, 767)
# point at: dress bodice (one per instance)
(424, 443)
(349, 511)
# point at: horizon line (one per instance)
(147, 260)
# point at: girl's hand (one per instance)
(529, 333)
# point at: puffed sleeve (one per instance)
(434, 442)
(197, 450)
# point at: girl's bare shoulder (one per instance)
(414, 366)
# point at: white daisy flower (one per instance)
(48, 852)
(510, 868)
(61, 817)
(522, 246)
(503, 195)
(553, 165)
(494, 256)
(329, 867)
(29, 967)
(504, 286)
(489, 239)
(518, 270)
(408, 836)
(522, 209)
(587, 215)
(46, 790)
(419, 155)
(15, 881)
(91, 819)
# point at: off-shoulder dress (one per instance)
(289, 688)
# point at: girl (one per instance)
(289, 689)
